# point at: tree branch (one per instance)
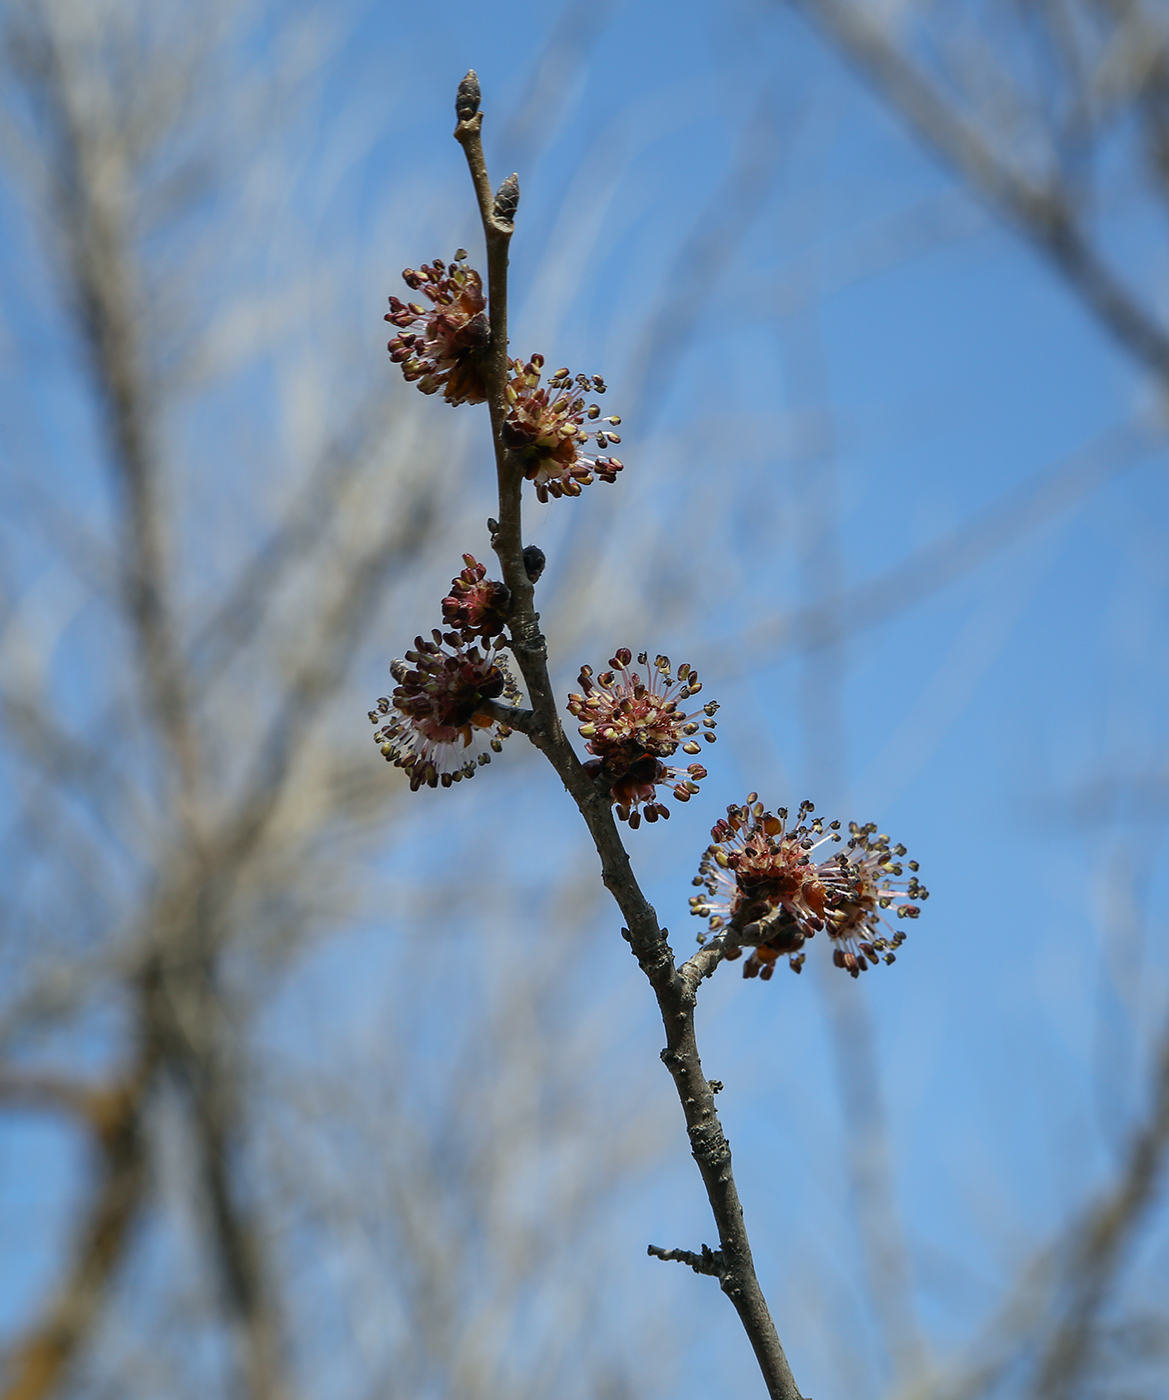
(42, 1360)
(675, 994)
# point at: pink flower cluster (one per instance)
(632, 724)
(442, 348)
(476, 605)
(435, 728)
(766, 888)
(545, 429)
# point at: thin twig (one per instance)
(675, 993)
(710, 1261)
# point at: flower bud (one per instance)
(467, 97)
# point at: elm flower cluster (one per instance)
(766, 888)
(442, 348)
(545, 429)
(435, 732)
(632, 723)
(867, 882)
(476, 605)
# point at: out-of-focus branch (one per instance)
(90, 180)
(1100, 1242)
(1044, 214)
(41, 1361)
(93, 167)
(43, 1091)
(242, 1265)
(1047, 1324)
(241, 611)
(1139, 67)
(338, 631)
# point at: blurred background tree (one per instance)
(314, 1086)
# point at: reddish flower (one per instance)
(436, 732)
(545, 429)
(765, 889)
(762, 883)
(476, 606)
(442, 348)
(632, 723)
(864, 885)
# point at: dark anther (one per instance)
(467, 97)
(533, 561)
(507, 200)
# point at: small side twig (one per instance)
(710, 1261)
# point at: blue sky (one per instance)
(864, 362)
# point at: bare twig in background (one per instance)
(1099, 1244)
(252, 1146)
(1046, 1333)
(114, 1118)
(1044, 209)
(853, 610)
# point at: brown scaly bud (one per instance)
(507, 200)
(533, 562)
(467, 97)
(476, 606)
(632, 724)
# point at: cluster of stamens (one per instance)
(545, 429)
(442, 348)
(765, 888)
(476, 605)
(435, 729)
(631, 723)
(869, 881)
